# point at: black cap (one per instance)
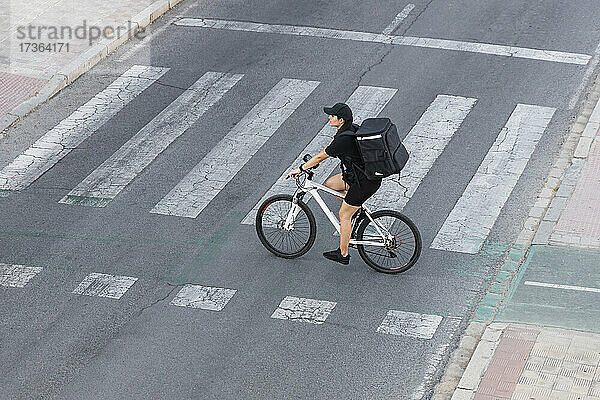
(340, 110)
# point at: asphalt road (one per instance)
(57, 344)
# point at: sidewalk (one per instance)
(536, 333)
(522, 362)
(47, 44)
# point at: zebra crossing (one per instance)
(466, 228)
(73, 130)
(210, 175)
(291, 308)
(109, 179)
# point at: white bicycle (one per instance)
(386, 240)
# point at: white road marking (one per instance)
(443, 44)
(193, 193)
(305, 310)
(13, 275)
(565, 287)
(365, 102)
(109, 179)
(473, 216)
(425, 142)
(402, 323)
(103, 285)
(203, 297)
(73, 130)
(398, 20)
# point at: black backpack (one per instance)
(380, 147)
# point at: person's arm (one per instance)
(315, 160)
(310, 163)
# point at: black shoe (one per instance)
(336, 255)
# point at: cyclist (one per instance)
(352, 181)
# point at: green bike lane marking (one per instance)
(554, 306)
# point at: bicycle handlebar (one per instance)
(308, 171)
(309, 174)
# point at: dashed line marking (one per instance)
(403, 323)
(103, 285)
(305, 310)
(442, 44)
(13, 275)
(398, 20)
(203, 297)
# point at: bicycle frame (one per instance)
(313, 188)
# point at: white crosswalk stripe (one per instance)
(425, 142)
(365, 102)
(108, 180)
(220, 165)
(473, 216)
(73, 130)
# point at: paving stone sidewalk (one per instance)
(523, 362)
(46, 44)
(573, 218)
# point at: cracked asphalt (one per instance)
(58, 345)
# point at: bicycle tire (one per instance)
(404, 236)
(267, 239)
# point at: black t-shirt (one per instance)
(345, 148)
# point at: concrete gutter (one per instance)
(84, 62)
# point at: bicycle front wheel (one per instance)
(287, 242)
(398, 249)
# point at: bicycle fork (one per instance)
(288, 225)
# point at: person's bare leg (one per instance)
(337, 183)
(346, 213)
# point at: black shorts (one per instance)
(360, 192)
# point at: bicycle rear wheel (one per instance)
(270, 227)
(402, 246)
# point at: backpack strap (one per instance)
(352, 132)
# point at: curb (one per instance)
(84, 62)
(456, 382)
